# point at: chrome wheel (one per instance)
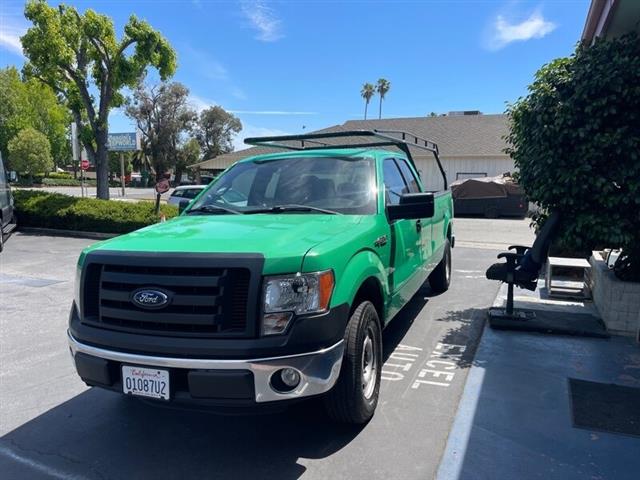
(369, 365)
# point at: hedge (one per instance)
(54, 210)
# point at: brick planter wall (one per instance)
(617, 302)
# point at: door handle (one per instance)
(418, 226)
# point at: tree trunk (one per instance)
(177, 176)
(366, 104)
(102, 165)
(380, 110)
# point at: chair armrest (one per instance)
(510, 255)
(520, 249)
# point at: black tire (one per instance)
(352, 399)
(440, 278)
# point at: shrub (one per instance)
(54, 210)
(575, 139)
(61, 175)
(60, 182)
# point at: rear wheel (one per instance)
(355, 396)
(440, 278)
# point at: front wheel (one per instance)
(440, 278)
(355, 396)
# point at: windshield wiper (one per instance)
(293, 208)
(212, 209)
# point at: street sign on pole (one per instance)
(84, 164)
(123, 142)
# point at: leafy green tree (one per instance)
(80, 57)
(382, 87)
(30, 153)
(32, 104)
(367, 92)
(188, 154)
(114, 164)
(163, 115)
(575, 139)
(215, 130)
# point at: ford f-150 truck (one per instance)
(274, 284)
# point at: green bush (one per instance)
(53, 210)
(61, 175)
(69, 182)
(575, 139)
(60, 182)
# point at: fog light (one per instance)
(290, 377)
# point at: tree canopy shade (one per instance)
(163, 115)
(30, 153)
(215, 130)
(76, 53)
(32, 104)
(575, 139)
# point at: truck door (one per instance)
(426, 231)
(406, 235)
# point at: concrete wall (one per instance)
(617, 302)
(455, 167)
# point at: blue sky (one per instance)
(282, 66)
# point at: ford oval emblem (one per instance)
(149, 298)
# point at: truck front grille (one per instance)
(203, 300)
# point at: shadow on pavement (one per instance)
(99, 434)
(470, 323)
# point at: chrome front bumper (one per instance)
(319, 370)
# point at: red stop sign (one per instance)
(163, 186)
(84, 164)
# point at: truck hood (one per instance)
(283, 239)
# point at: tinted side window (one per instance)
(394, 185)
(177, 193)
(191, 193)
(408, 175)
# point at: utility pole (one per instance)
(122, 171)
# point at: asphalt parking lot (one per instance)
(53, 426)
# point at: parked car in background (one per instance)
(185, 192)
(7, 215)
(491, 197)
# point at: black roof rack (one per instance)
(379, 138)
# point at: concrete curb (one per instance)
(67, 233)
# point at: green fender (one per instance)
(361, 266)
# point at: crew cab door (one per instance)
(406, 235)
(413, 184)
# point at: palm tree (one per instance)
(367, 92)
(383, 86)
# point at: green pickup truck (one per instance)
(273, 285)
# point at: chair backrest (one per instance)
(540, 248)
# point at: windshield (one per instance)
(340, 184)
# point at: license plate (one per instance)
(145, 382)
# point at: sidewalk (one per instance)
(515, 417)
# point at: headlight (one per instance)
(301, 294)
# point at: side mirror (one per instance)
(412, 206)
(182, 206)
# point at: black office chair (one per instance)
(522, 268)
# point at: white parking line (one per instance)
(39, 466)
